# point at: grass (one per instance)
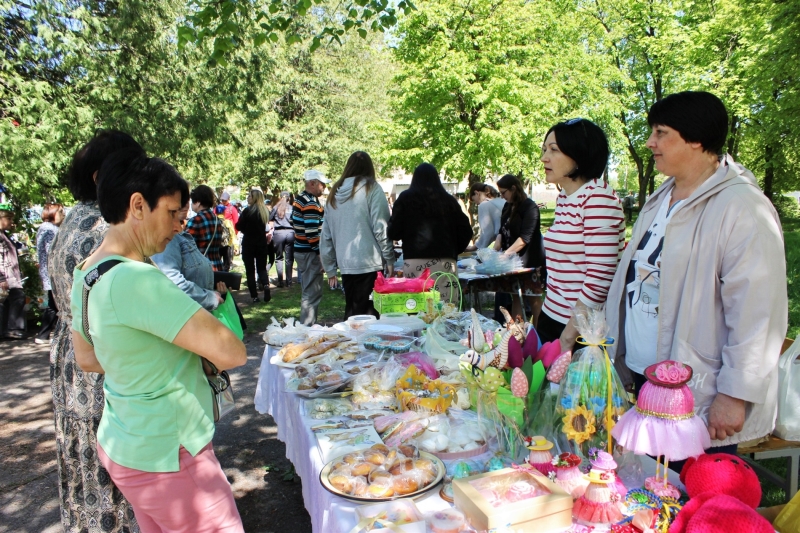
(285, 303)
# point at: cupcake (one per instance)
(599, 503)
(568, 474)
(540, 456)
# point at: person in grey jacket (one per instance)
(354, 239)
(703, 278)
(184, 264)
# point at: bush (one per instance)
(786, 206)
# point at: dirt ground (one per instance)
(267, 492)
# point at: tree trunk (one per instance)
(733, 137)
(646, 180)
(769, 171)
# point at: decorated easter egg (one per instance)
(495, 463)
(498, 335)
(559, 367)
(461, 470)
(491, 379)
(515, 356)
(519, 383)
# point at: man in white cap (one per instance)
(307, 222)
(231, 213)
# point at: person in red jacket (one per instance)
(231, 213)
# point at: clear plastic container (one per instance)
(360, 322)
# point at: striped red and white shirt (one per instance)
(583, 247)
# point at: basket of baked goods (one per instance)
(381, 473)
(329, 376)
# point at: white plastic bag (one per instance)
(787, 427)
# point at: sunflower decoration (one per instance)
(579, 424)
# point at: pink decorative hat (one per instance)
(664, 422)
(601, 460)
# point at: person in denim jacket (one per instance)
(183, 263)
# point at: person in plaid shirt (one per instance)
(205, 227)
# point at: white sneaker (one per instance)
(41, 341)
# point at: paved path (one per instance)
(246, 443)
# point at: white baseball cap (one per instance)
(225, 196)
(311, 175)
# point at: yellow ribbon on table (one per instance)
(608, 341)
(369, 524)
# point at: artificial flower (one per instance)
(579, 424)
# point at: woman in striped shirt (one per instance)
(584, 244)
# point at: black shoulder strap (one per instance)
(89, 282)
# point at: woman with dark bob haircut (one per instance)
(135, 326)
(703, 278)
(431, 225)
(588, 234)
(86, 494)
(520, 234)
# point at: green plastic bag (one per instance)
(227, 314)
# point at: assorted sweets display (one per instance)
(393, 425)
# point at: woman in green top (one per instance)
(147, 337)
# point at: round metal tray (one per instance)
(440, 468)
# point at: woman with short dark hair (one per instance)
(431, 225)
(52, 217)
(149, 339)
(86, 494)
(205, 227)
(588, 234)
(703, 278)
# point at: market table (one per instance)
(522, 282)
(329, 513)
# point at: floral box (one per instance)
(519, 498)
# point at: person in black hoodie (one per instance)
(431, 225)
(252, 224)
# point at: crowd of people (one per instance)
(130, 278)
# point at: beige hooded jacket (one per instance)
(723, 302)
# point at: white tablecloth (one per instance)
(329, 513)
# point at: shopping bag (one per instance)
(787, 427)
(226, 313)
(394, 285)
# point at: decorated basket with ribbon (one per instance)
(416, 392)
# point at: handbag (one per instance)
(221, 389)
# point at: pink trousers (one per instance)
(196, 499)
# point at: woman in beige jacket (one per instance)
(703, 279)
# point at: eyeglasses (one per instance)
(503, 192)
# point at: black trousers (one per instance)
(284, 252)
(49, 318)
(255, 262)
(548, 328)
(357, 290)
(227, 257)
(12, 312)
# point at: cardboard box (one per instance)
(551, 511)
(403, 302)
